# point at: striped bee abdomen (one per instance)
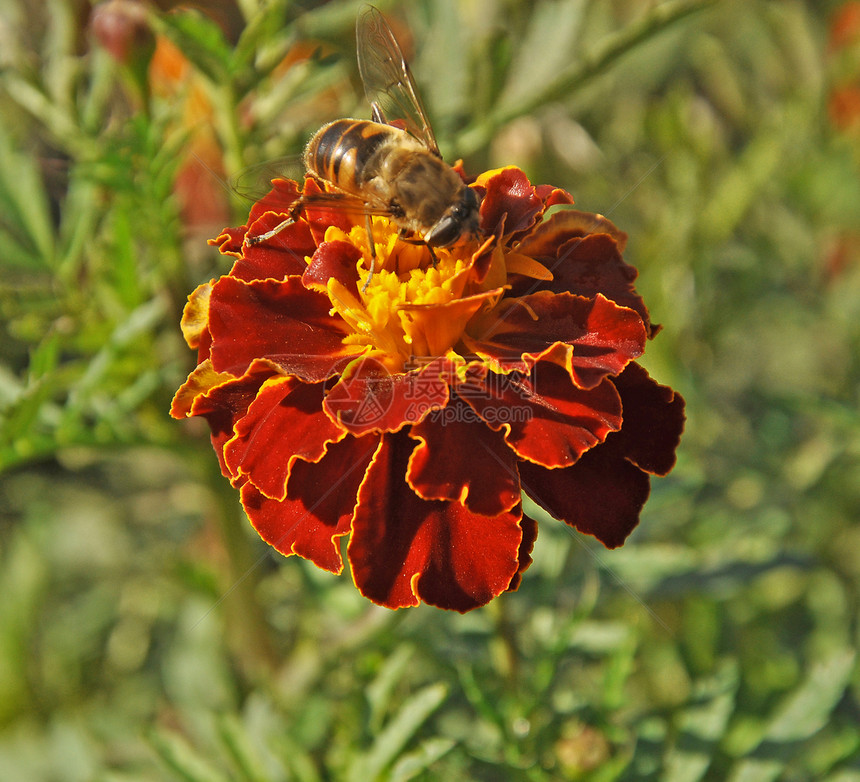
(340, 151)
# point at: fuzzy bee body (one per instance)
(395, 173)
(390, 165)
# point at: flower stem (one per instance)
(245, 627)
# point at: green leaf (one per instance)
(413, 763)
(801, 714)
(182, 759)
(702, 724)
(264, 33)
(25, 223)
(380, 689)
(552, 31)
(27, 402)
(402, 727)
(297, 759)
(241, 750)
(200, 39)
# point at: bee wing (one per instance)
(388, 82)
(287, 196)
(276, 185)
(255, 181)
(345, 203)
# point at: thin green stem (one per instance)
(247, 633)
(227, 113)
(581, 73)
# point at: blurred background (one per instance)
(146, 633)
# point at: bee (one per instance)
(390, 165)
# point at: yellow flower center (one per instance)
(402, 311)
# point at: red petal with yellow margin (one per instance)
(260, 449)
(530, 531)
(601, 495)
(370, 399)
(552, 196)
(653, 421)
(230, 240)
(319, 504)
(590, 338)
(276, 203)
(284, 193)
(404, 549)
(564, 225)
(510, 203)
(278, 320)
(546, 418)
(195, 316)
(582, 262)
(224, 404)
(324, 210)
(459, 458)
(335, 259)
(278, 257)
(202, 380)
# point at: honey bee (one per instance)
(390, 165)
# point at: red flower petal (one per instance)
(510, 203)
(202, 380)
(230, 240)
(224, 404)
(276, 258)
(590, 338)
(333, 259)
(552, 196)
(583, 252)
(653, 421)
(319, 504)
(368, 398)
(195, 318)
(601, 495)
(324, 209)
(278, 320)
(404, 549)
(284, 193)
(546, 238)
(259, 448)
(530, 531)
(546, 418)
(461, 459)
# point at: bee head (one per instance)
(460, 218)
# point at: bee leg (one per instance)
(294, 212)
(376, 113)
(405, 237)
(372, 243)
(260, 238)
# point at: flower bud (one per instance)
(121, 27)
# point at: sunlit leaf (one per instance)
(401, 727)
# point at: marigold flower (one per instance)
(409, 412)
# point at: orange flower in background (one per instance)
(172, 78)
(409, 409)
(845, 25)
(844, 48)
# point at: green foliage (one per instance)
(145, 632)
